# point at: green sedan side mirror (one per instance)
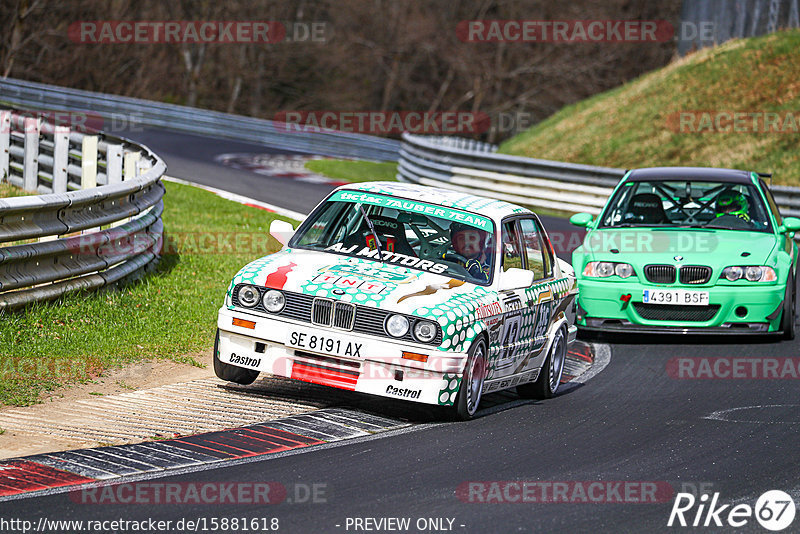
(583, 219)
(790, 224)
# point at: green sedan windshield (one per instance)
(687, 204)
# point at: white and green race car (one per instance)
(406, 292)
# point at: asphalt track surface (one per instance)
(638, 420)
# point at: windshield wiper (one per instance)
(374, 233)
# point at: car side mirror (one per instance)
(581, 219)
(282, 231)
(790, 224)
(515, 278)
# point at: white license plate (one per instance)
(675, 296)
(324, 343)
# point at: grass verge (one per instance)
(354, 170)
(8, 191)
(168, 314)
(639, 124)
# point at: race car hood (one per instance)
(685, 246)
(357, 280)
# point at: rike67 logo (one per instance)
(774, 510)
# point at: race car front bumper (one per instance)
(732, 309)
(345, 360)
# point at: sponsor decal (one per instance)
(471, 219)
(487, 310)
(349, 282)
(433, 288)
(370, 272)
(390, 256)
(277, 279)
(403, 392)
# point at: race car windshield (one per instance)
(416, 235)
(687, 204)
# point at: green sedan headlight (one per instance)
(751, 273)
(604, 269)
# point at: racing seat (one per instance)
(391, 233)
(647, 208)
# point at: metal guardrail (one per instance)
(475, 167)
(197, 121)
(471, 166)
(74, 234)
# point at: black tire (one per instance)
(232, 373)
(469, 394)
(549, 380)
(789, 309)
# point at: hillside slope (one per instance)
(737, 105)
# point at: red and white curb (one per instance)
(253, 203)
(71, 468)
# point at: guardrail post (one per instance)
(131, 165)
(60, 158)
(5, 144)
(89, 162)
(114, 163)
(30, 165)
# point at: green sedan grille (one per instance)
(660, 274)
(695, 274)
(669, 312)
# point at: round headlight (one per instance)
(753, 273)
(605, 268)
(424, 331)
(274, 301)
(397, 325)
(623, 270)
(733, 273)
(248, 296)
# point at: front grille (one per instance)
(321, 312)
(660, 274)
(344, 315)
(667, 312)
(695, 274)
(328, 312)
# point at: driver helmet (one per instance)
(467, 240)
(731, 202)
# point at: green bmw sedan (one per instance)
(688, 250)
